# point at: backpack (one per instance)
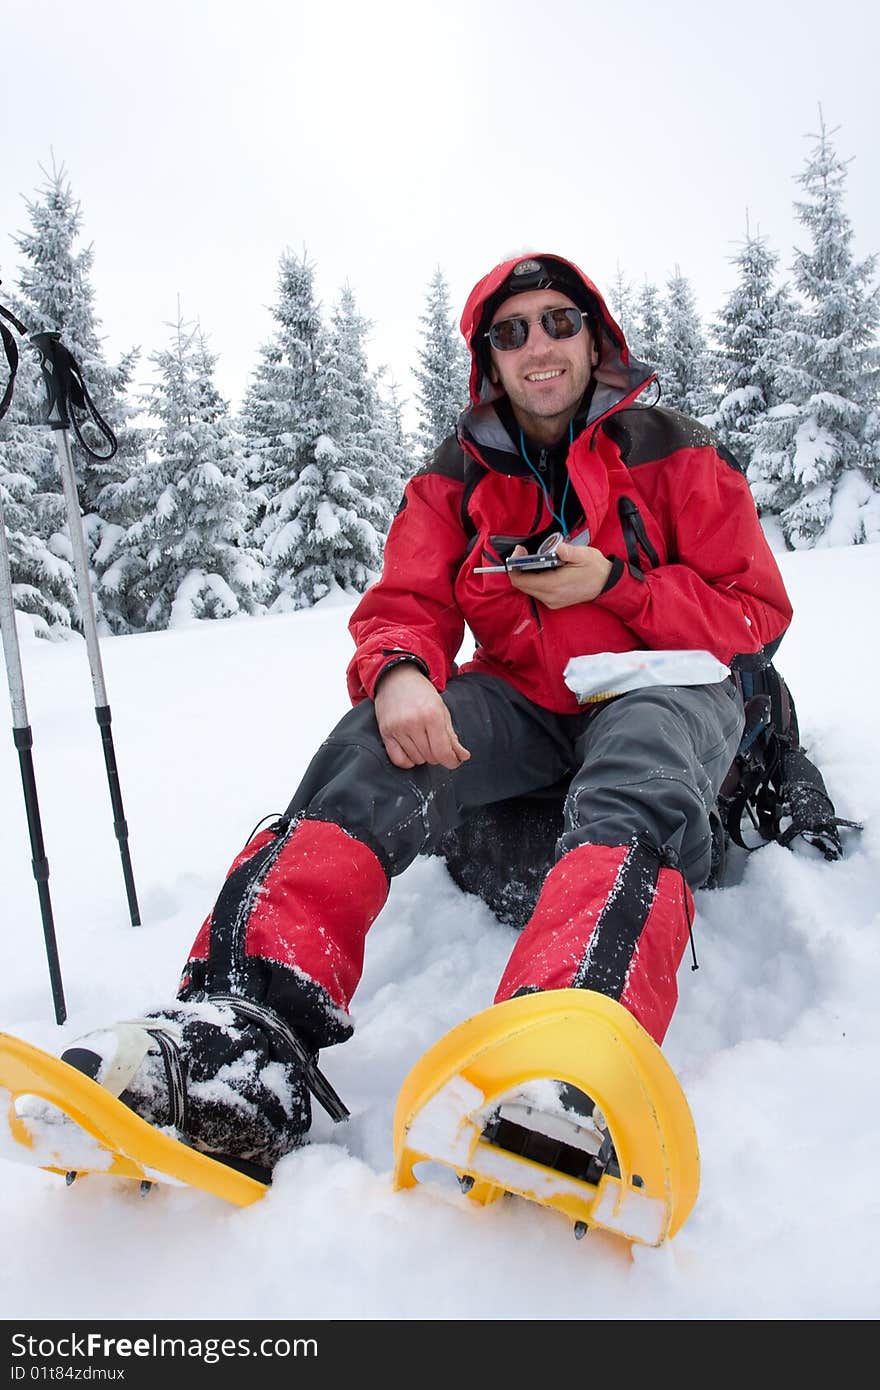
(771, 780)
(772, 793)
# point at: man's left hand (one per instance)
(580, 578)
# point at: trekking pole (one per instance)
(65, 386)
(21, 730)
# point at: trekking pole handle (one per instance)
(64, 385)
(54, 361)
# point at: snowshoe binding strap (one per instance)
(135, 1037)
(177, 1107)
(279, 1031)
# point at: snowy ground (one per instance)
(775, 1040)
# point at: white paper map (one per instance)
(613, 673)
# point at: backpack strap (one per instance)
(472, 473)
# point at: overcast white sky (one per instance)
(390, 137)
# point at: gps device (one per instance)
(522, 562)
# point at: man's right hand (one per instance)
(415, 725)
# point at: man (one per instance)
(660, 548)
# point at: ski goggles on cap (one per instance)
(509, 334)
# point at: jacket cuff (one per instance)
(624, 590)
(365, 668)
(403, 659)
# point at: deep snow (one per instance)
(775, 1039)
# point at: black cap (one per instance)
(545, 273)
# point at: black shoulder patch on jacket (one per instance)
(644, 434)
(448, 459)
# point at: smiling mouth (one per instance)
(543, 376)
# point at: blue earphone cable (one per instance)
(560, 515)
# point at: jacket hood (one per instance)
(617, 370)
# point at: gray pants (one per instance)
(649, 764)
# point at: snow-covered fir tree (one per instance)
(815, 465)
(649, 325)
(186, 556)
(684, 355)
(282, 414)
(442, 376)
(750, 336)
(354, 414)
(622, 302)
(26, 445)
(43, 581)
(56, 294)
(402, 447)
(326, 543)
(336, 511)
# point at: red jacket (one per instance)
(661, 498)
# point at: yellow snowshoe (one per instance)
(561, 1098)
(68, 1124)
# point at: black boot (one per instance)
(226, 1075)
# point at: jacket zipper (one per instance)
(635, 535)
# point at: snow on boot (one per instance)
(225, 1074)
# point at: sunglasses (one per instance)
(509, 334)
